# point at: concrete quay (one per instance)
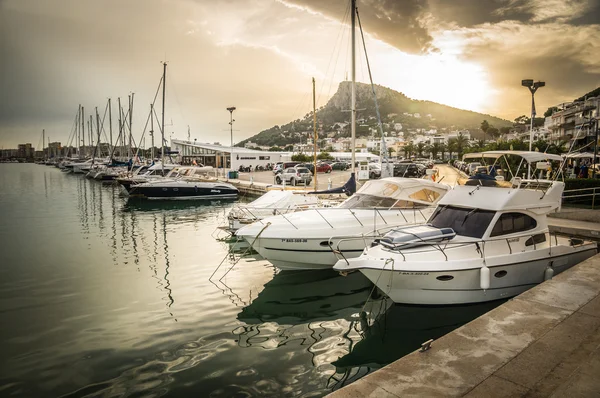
(542, 343)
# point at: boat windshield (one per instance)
(463, 220)
(361, 201)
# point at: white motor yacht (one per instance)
(274, 202)
(185, 182)
(488, 239)
(306, 239)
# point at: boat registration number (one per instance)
(294, 240)
(414, 273)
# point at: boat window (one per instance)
(425, 195)
(405, 204)
(464, 221)
(510, 223)
(364, 201)
(536, 240)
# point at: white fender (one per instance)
(548, 273)
(484, 278)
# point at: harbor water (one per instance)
(105, 296)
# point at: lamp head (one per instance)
(527, 82)
(231, 108)
(539, 84)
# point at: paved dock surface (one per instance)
(543, 343)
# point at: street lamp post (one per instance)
(533, 87)
(595, 151)
(231, 120)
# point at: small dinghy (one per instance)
(411, 236)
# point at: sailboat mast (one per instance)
(112, 147)
(130, 123)
(83, 128)
(44, 143)
(90, 128)
(353, 104)
(164, 82)
(152, 130)
(315, 130)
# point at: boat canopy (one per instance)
(530, 157)
(409, 189)
(581, 155)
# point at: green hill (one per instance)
(394, 107)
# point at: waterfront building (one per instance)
(220, 156)
(574, 121)
(25, 151)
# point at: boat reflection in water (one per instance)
(297, 296)
(348, 327)
(403, 328)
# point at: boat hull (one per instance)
(507, 278)
(182, 193)
(304, 242)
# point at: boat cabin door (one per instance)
(363, 170)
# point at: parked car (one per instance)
(308, 166)
(324, 168)
(374, 171)
(340, 166)
(295, 176)
(470, 170)
(408, 170)
(278, 168)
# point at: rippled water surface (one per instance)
(101, 296)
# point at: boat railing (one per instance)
(478, 245)
(377, 214)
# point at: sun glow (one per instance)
(440, 77)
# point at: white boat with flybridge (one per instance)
(307, 239)
(487, 240)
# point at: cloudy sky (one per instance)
(260, 56)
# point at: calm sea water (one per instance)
(101, 296)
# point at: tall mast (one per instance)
(90, 128)
(152, 130)
(83, 128)
(353, 104)
(164, 82)
(121, 138)
(98, 131)
(315, 130)
(44, 143)
(130, 122)
(112, 147)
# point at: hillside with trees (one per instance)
(394, 107)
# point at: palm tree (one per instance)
(484, 127)
(434, 149)
(452, 147)
(443, 149)
(420, 149)
(461, 143)
(409, 149)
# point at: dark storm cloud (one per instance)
(399, 23)
(468, 13)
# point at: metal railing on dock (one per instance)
(583, 196)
